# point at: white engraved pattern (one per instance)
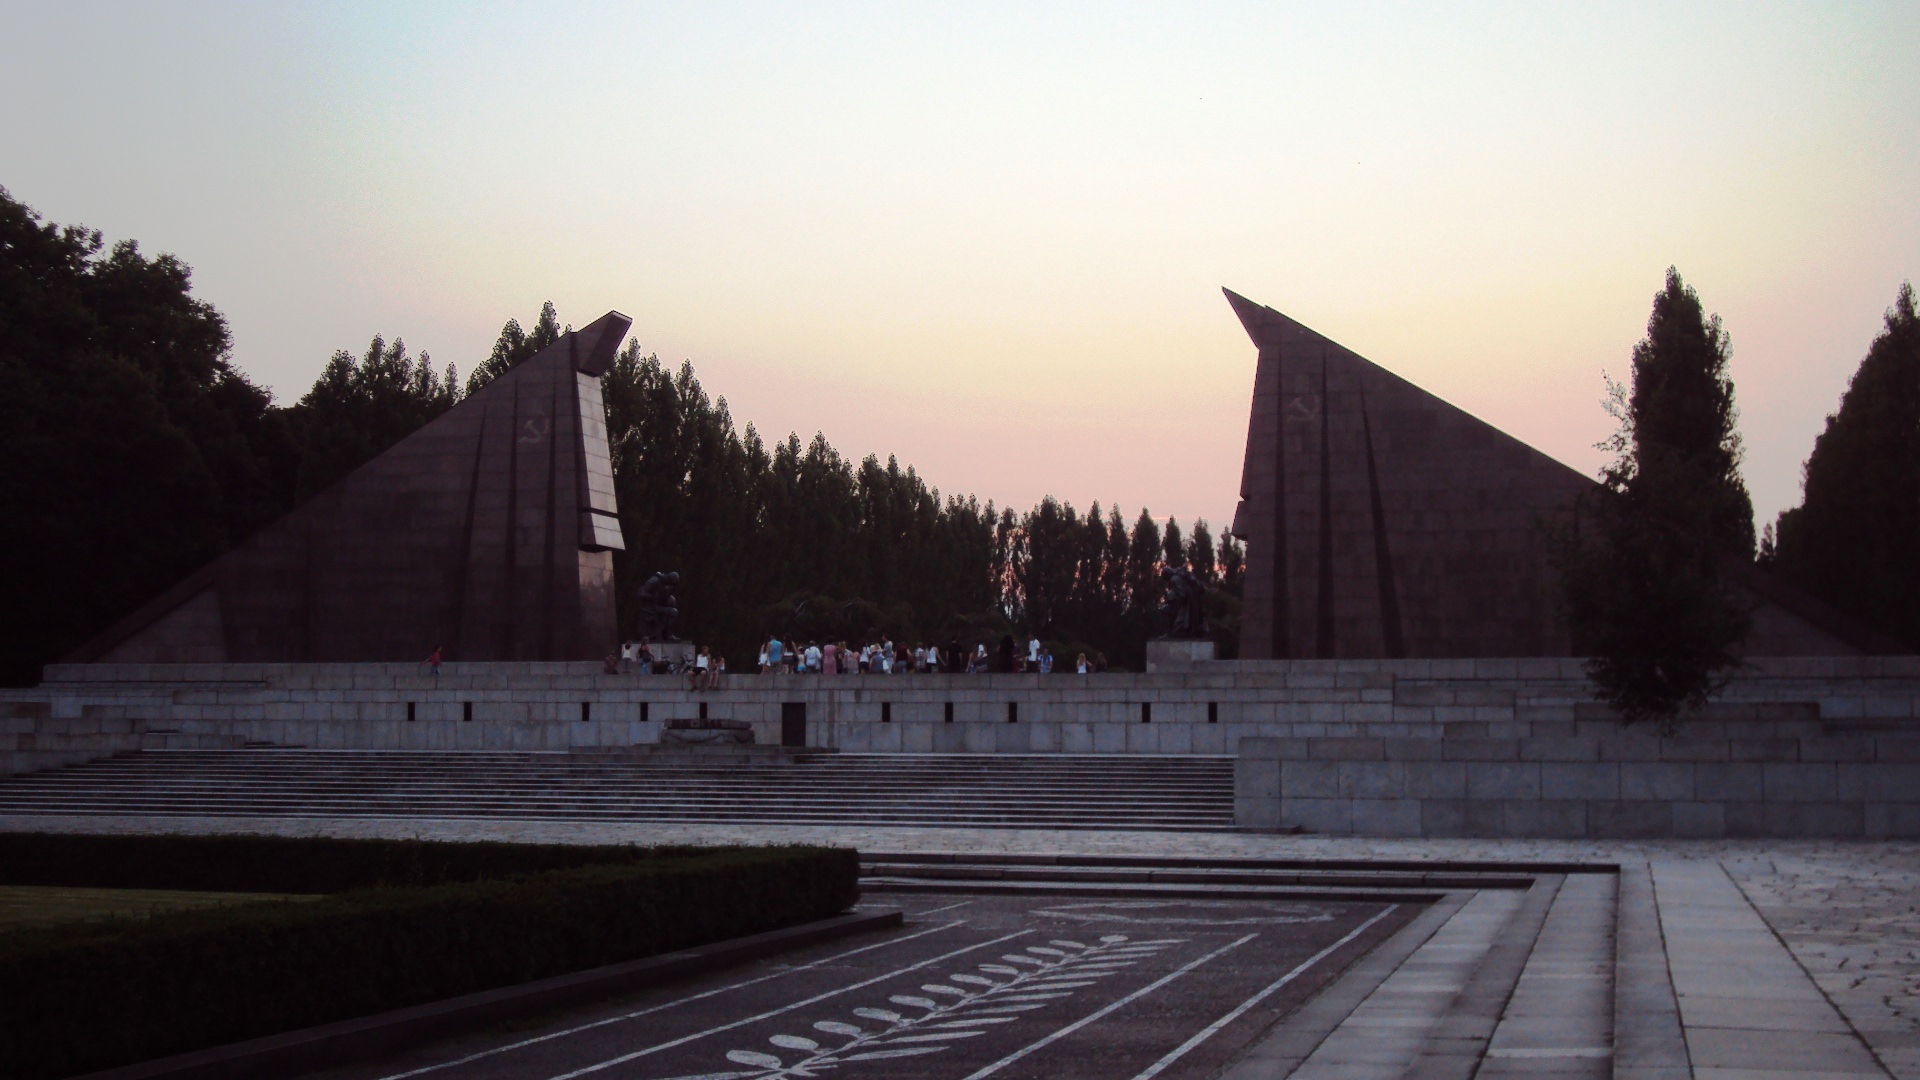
(966, 1005)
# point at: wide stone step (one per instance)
(1030, 791)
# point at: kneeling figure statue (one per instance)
(1185, 606)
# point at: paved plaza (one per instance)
(970, 987)
(1735, 959)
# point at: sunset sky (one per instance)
(991, 239)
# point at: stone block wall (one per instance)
(1813, 746)
(32, 738)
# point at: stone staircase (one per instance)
(1052, 791)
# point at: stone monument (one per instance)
(1382, 522)
(487, 534)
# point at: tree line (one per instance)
(1652, 561)
(137, 451)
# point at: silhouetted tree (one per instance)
(358, 408)
(515, 345)
(1645, 565)
(1855, 539)
(134, 449)
(1200, 557)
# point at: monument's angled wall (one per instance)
(1381, 521)
(1795, 746)
(486, 534)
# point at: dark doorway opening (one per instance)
(793, 723)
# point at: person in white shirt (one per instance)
(813, 659)
(1033, 654)
(933, 658)
(1080, 665)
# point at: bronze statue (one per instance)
(1185, 606)
(658, 608)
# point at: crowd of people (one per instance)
(888, 657)
(707, 670)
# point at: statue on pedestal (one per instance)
(1185, 606)
(658, 608)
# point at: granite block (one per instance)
(1580, 780)
(1557, 818)
(1498, 780)
(1331, 816)
(1647, 780)
(1310, 779)
(1386, 817)
(1436, 779)
(1800, 783)
(1372, 779)
(1629, 820)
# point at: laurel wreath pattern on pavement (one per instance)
(965, 1006)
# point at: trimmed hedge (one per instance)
(113, 993)
(278, 863)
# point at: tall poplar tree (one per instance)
(1855, 539)
(1647, 563)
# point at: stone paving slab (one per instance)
(1731, 976)
(1560, 1019)
(1846, 914)
(1387, 1032)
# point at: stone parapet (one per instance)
(1793, 746)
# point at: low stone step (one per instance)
(1032, 791)
(1198, 876)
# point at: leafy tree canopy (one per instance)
(1855, 539)
(1645, 565)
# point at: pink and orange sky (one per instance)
(990, 239)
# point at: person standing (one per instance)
(774, 657)
(933, 658)
(979, 666)
(1080, 665)
(830, 659)
(763, 658)
(1033, 654)
(813, 658)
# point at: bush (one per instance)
(281, 864)
(112, 993)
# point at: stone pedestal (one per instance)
(671, 652)
(1177, 654)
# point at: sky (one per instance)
(990, 239)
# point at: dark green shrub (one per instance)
(107, 994)
(281, 864)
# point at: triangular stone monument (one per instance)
(1382, 522)
(487, 534)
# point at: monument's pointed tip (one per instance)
(600, 341)
(1251, 315)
